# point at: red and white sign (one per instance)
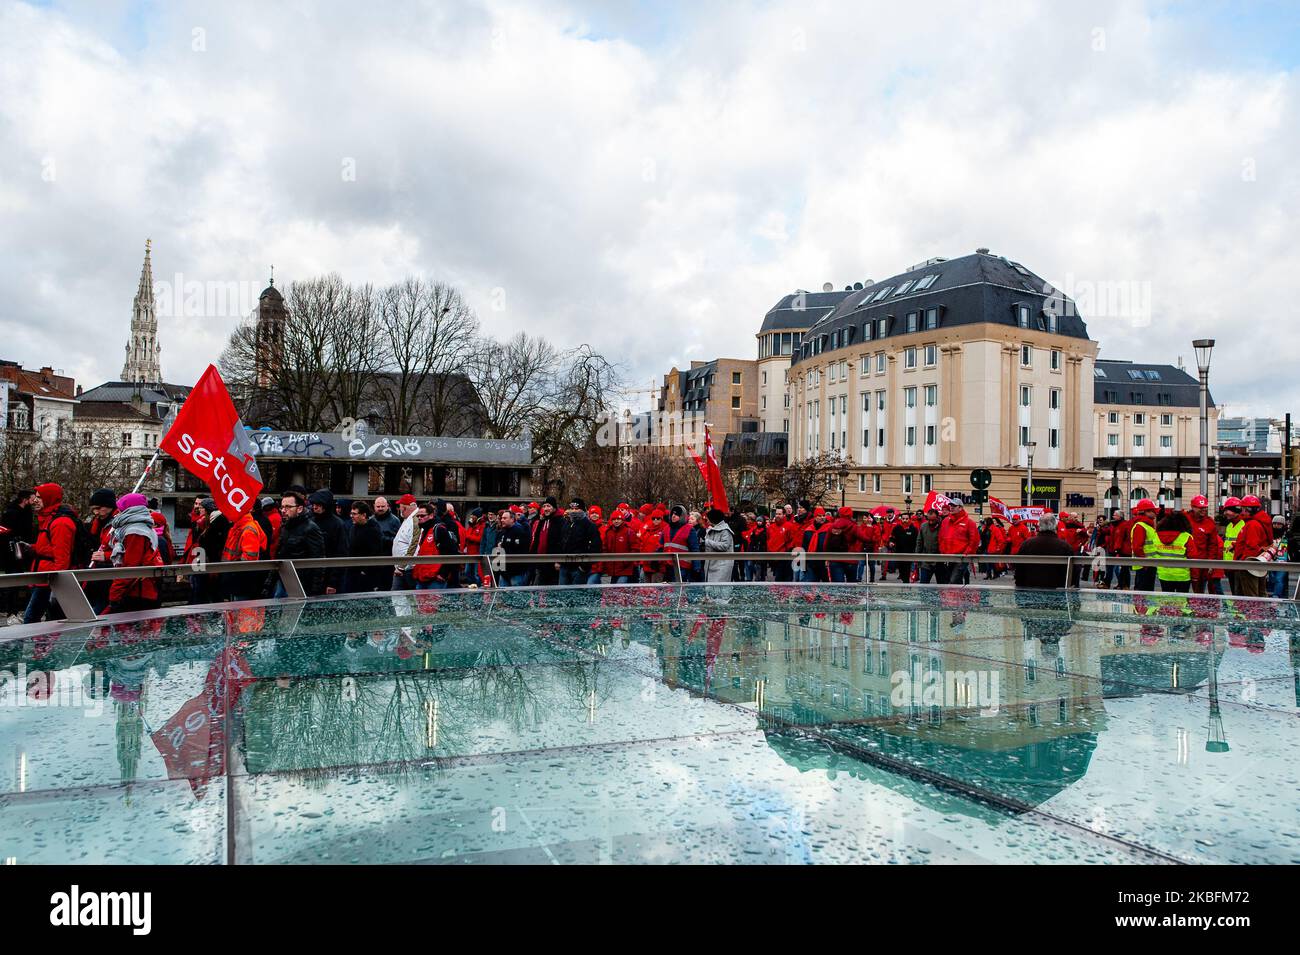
(210, 442)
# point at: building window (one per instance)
(1054, 399)
(866, 331)
(1112, 417)
(880, 363)
(735, 402)
(1139, 440)
(1026, 356)
(931, 395)
(929, 435)
(909, 358)
(844, 370)
(931, 318)
(1166, 421)
(862, 484)
(764, 402)
(880, 437)
(1022, 316)
(1056, 360)
(1139, 419)
(875, 484)
(1053, 438)
(764, 377)
(866, 366)
(1024, 436)
(866, 402)
(927, 485)
(1166, 441)
(911, 436)
(907, 489)
(909, 397)
(1112, 441)
(913, 321)
(931, 355)
(735, 377)
(880, 401)
(866, 437)
(1026, 395)
(882, 329)
(126, 439)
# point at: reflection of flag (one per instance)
(210, 442)
(193, 741)
(713, 474)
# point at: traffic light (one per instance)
(979, 497)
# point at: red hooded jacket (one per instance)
(56, 532)
(958, 534)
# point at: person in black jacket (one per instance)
(19, 527)
(367, 541)
(581, 536)
(212, 542)
(335, 533)
(547, 538)
(1047, 543)
(300, 538)
(512, 538)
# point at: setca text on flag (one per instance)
(210, 442)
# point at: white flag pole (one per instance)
(136, 489)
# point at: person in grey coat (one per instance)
(927, 542)
(719, 539)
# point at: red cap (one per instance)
(594, 511)
(1250, 500)
(1200, 501)
(646, 508)
(845, 511)
(1232, 502)
(406, 499)
(516, 509)
(659, 512)
(1146, 504)
(534, 506)
(819, 512)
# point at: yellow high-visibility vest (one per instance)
(1176, 549)
(1230, 538)
(1149, 541)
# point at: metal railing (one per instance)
(66, 585)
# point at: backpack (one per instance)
(837, 541)
(84, 543)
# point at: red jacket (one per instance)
(618, 540)
(997, 540)
(471, 537)
(1018, 534)
(1120, 544)
(1255, 537)
(777, 540)
(275, 519)
(958, 534)
(136, 552)
(56, 533)
(1206, 544)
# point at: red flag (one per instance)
(210, 442)
(193, 742)
(713, 475)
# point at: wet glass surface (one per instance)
(661, 724)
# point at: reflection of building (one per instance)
(948, 366)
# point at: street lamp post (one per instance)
(1203, 347)
(844, 476)
(1128, 463)
(1029, 485)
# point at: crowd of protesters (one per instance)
(650, 543)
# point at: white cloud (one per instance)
(653, 194)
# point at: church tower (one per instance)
(142, 350)
(272, 316)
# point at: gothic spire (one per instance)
(142, 350)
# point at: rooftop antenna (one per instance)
(273, 276)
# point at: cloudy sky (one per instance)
(650, 178)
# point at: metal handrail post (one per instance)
(290, 580)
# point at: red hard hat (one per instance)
(1200, 501)
(1146, 504)
(1250, 500)
(1232, 502)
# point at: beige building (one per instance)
(722, 393)
(1145, 413)
(953, 365)
(780, 336)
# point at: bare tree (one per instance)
(584, 388)
(425, 337)
(809, 479)
(516, 382)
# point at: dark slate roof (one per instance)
(755, 447)
(110, 410)
(152, 393)
(971, 289)
(800, 310)
(693, 384)
(271, 292)
(1113, 385)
